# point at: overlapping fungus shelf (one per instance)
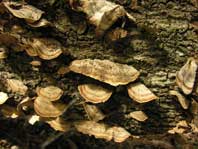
(52, 93)
(94, 93)
(140, 93)
(105, 71)
(185, 77)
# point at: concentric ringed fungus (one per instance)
(94, 93)
(185, 77)
(140, 93)
(105, 71)
(46, 108)
(52, 93)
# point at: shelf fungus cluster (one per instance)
(102, 131)
(45, 48)
(49, 107)
(47, 104)
(103, 14)
(113, 74)
(186, 79)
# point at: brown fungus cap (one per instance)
(58, 124)
(46, 108)
(93, 112)
(46, 48)
(138, 115)
(182, 100)
(98, 130)
(140, 93)
(17, 86)
(185, 77)
(119, 134)
(24, 11)
(94, 93)
(105, 71)
(52, 93)
(102, 131)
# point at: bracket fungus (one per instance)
(140, 93)
(93, 112)
(119, 134)
(102, 131)
(51, 93)
(138, 115)
(58, 124)
(185, 77)
(17, 86)
(103, 14)
(46, 108)
(46, 48)
(24, 11)
(182, 100)
(105, 71)
(94, 93)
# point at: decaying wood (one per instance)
(156, 37)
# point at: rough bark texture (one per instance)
(162, 38)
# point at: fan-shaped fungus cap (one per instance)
(59, 124)
(17, 86)
(40, 23)
(46, 108)
(94, 93)
(119, 134)
(3, 97)
(103, 14)
(185, 77)
(52, 93)
(47, 48)
(140, 93)
(105, 71)
(98, 130)
(93, 112)
(182, 100)
(138, 115)
(24, 11)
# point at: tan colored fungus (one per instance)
(102, 131)
(140, 93)
(138, 115)
(182, 100)
(94, 93)
(59, 124)
(45, 108)
(24, 11)
(47, 48)
(17, 86)
(185, 77)
(51, 93)
(105, 71)
(93, 112)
